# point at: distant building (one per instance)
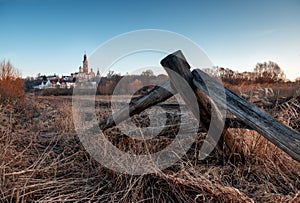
(85, 63)
(44, 85)
(98, 73)
(84, 73)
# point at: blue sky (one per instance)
(50, 36)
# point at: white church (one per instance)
(84, 73)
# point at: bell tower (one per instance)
(85, 64)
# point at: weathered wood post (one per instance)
(177, 62)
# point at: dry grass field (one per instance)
(42, 160)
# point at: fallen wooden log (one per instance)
(276, 132)
(137, 105)
(279, 134)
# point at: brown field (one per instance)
(42, 159)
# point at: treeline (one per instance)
(12, 85)
(267, 72)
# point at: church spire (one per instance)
(85, 63)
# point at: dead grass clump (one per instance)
(288, 112)
(267, 169)
(64, 120)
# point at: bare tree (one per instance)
(269, 72)
(7, 71)
(11, 84)
(148, 73)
